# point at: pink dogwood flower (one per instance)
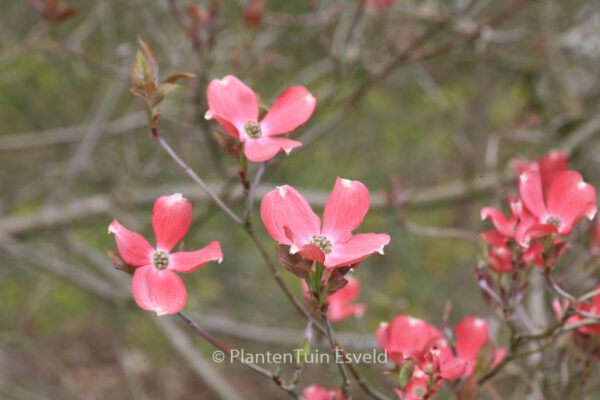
(471, 334)
(516, 227)
(156, 285)
(411, 338)
(316, 392)
(549, 166)
(569, 199)
(235, 107)
(290, 220)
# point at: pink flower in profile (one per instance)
(316, 392)
(569, 199)
(156, 285)
(471, 334)
(235, 107)
(504, 226)
(340, 302)
(412, 338)
(290, 220)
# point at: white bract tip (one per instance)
(347, 183)
(287, 151)
(479, 322)
(310, 98)
(412, 321)
(160, 311)
(590, 215)
(224, 81)
(581, 185)
(177, 197)
(208, 115)
(380, 250)
(282, 190)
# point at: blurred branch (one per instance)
(82, 157)
(50, 137)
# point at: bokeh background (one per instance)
(429, 125)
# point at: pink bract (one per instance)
(156, 285)
(290, 220)
(235, 107)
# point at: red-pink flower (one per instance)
(340, 303)
(316, 392)
(591, 307)
(549, 167)
(290, 220)
(380, 5)
(235, 107)
(505, 226)
(156, 285)
(412, 338)
(471, 334)
(568, 200)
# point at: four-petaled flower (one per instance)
(290, 220)
(569, 199)
(156, 285)
(235, 107)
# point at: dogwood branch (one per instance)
(290, 389)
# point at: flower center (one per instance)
(322, 242)
(160, 260)
(553, 221)
(253, 129)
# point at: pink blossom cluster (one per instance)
(551, 201)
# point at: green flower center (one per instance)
(553, 221)
(253, 129)
(160, 260)
(322, 243)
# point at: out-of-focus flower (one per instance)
(432, 360)
(54, 11)
(591, 307)
(290, 220)
(340, 303)
(156, 285)
(569, 199)
(586, 338)
(316, 392)
(380, 5)
(235, 107)
(472, 334)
